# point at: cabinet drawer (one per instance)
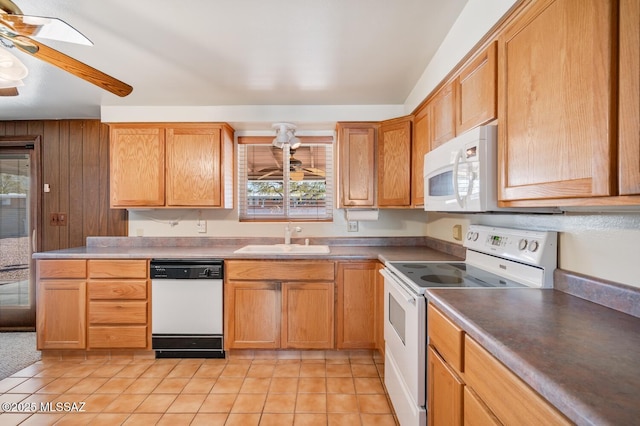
(506, 395)
(110, 268)
(279, 270)
(117, 312)
(446, 337)
(131, 289)
(62, 268)
(105, 337)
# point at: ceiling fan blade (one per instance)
(9, 91)
(315, 171)
(266, 175)
(43, 27)
(74, 66)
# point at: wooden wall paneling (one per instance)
(51, 176)
(64, 193)
(91, 179)
(75, 163)
(76, 187)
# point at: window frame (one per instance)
(243, 179)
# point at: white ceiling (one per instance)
(235, 52)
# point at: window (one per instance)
(284, 184)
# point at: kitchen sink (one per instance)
(284, 249)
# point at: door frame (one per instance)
(17, 316)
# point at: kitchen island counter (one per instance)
(581, 356)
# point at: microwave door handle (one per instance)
(456, 189)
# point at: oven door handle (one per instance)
(407, 295)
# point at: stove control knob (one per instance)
(475, 236)
(469, 234)
(522, 244)
(533, 247)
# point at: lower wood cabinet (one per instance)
(93, 304)
(356, 308)
(467, 385)
(61, 304)
(252, 315)
(279, 304)
(444, 391)
(307, 315)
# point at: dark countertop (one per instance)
(397, 249)
(226, 252)
(582, 357)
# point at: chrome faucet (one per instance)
(288, 230)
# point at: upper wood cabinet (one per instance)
(443, 116)
(476, 91)
(555, 102)
(171, 165)
(629, 98)
(357, 143)
(419, 147)
(394, 160)
(136, 166)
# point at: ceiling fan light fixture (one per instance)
(11, 69)
(285, 134)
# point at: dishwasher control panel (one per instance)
(197, 269)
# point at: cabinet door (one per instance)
(61, 322)
(419, 147)
(307, 316)
(443, 112)
(629, 100)
(252, 315)
(476, 413)
(444, 392)
(356, 305)
(476, 91)
(394, 158)
(357, 147)
(193, 167)
(136, 166)
(555, 138)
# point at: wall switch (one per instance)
(202, 226)
(58, 219)
(352, 226)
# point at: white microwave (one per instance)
(461, 174)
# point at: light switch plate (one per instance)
(352, 226)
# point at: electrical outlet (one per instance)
(202, 226)
(352, 226)
(457, 232)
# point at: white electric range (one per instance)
(496, 258)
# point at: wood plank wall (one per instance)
(75, 164)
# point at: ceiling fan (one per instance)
(17, 30)
(296, 170)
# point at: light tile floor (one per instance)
(247, 388)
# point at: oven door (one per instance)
(405, 345)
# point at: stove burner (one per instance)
(413, 266)
(442, 279)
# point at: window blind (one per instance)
(282, 184)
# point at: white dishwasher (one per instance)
(186, 308)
